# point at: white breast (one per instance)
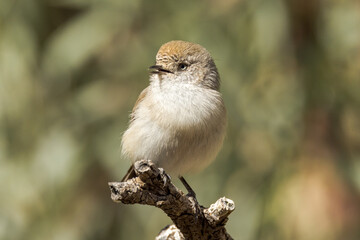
(179, 126)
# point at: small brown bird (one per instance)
(179, 120)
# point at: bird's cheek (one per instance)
(183, 78)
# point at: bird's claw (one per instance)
(166, 177)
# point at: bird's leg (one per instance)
(192, 196)
(187, 186)
(130, 174)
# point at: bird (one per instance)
(179, 120)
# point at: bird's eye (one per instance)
(182, 66)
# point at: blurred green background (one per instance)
(71, 70)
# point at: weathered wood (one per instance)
(153, 187)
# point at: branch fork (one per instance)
(153, 187)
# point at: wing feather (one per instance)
(138, 101)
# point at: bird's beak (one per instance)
(158, 69)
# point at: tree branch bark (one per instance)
(153, 187)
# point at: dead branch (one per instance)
(153, 187)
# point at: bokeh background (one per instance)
(71, 70)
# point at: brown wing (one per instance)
(131, 172)
(140, 98)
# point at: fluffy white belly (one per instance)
(178, 128)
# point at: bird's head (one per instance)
(186, 62)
